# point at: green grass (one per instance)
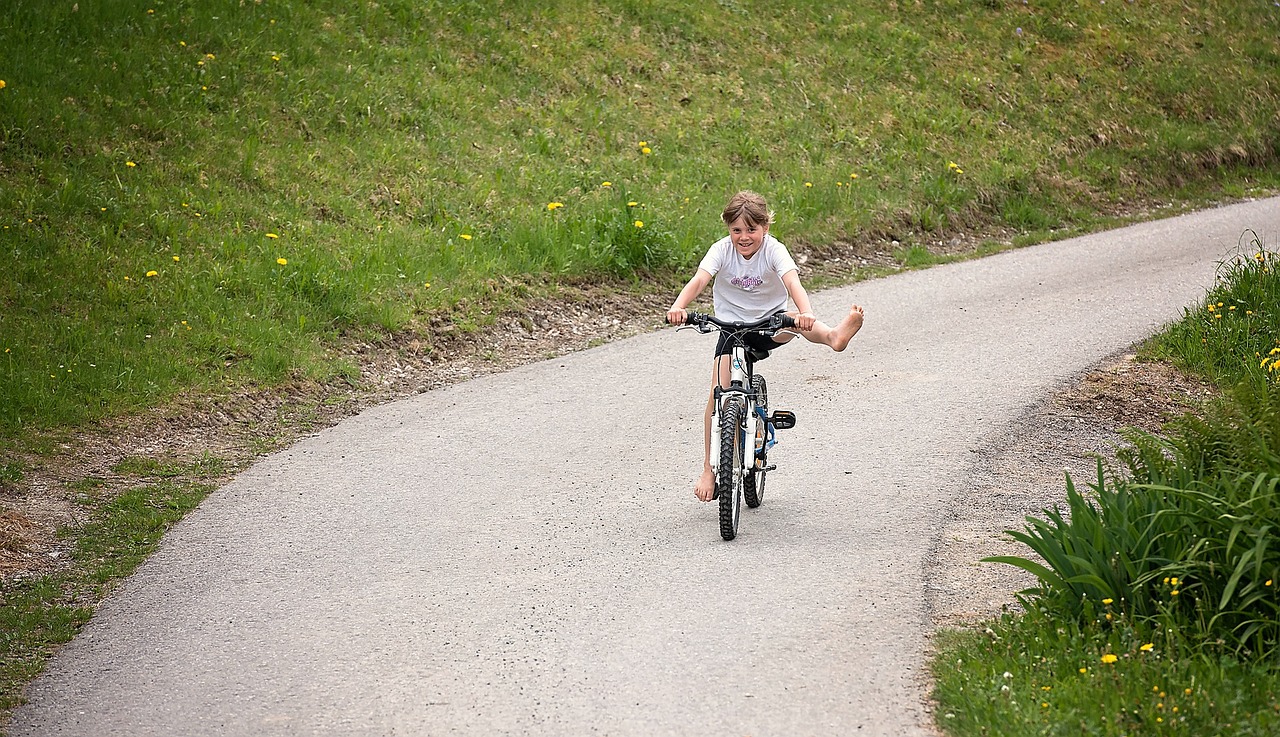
(1032, 675)
(1167, 563)
(37, 615)
(400, 158)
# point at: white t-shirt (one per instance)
(748, 289)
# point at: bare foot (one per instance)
(706, 486)
(848, 327)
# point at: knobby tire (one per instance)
(733, 437)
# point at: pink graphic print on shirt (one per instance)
(746, 282)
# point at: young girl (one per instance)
(754, 275)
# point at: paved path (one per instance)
(522, 554)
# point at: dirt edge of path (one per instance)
(1019, 470)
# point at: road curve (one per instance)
(522, 553)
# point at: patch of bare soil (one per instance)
(1021, 471)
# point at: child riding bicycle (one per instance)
(754, 275)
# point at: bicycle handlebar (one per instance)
(773, 323)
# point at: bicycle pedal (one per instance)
(783, 420)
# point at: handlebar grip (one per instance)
(786, 321)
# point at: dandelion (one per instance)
(639, 223)
(130, 164)
(853, 175)
(2, 85)
(808, 184)
(275, 57)
(282, 261)
(1186, 691)
(1084, 670)
(103, 209)
(646, 150)
(1147, 647)
(153, 273)
(210, 57)
(1109, 658)
(464, 237)
(606, 184)
(182, 44)
(426, 285)
(632, 203)
(273, 236)
(554, 205)
(150, 12)
(645, 144)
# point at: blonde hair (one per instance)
(749, 206)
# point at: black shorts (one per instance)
(758, 345)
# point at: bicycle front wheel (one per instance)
(733, 439)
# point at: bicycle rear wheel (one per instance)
(733, 439)
(753, 482)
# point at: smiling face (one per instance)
(747, 237)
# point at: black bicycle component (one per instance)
(782, 419)
(733, 437)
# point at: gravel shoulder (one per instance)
(1020, 471)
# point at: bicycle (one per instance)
(738, 476)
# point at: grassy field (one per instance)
(202, 195)
(1158, 605)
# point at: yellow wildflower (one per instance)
(639, 223)
(642, 144)
(129, 163)
(1174, 592)
(1107, 601)
(2, 85)
(1084, 670)
(1147, 647)
(1109, 658)
(632, 203)
(153, 273)
(210, 57)
(282, 261)
(275, 57)
(606, 184)
(272, 235)
(646, 150)
(1174, 581)
(176, 259)
(554, 205)
(808, 184)
(465, 237)
(1268, 583)
(853, 175)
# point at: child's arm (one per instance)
(676, 314)
(805, 318)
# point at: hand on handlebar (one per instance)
(804, 320)
(676, 316)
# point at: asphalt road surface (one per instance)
(523, 553)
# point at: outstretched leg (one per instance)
(837, 337)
